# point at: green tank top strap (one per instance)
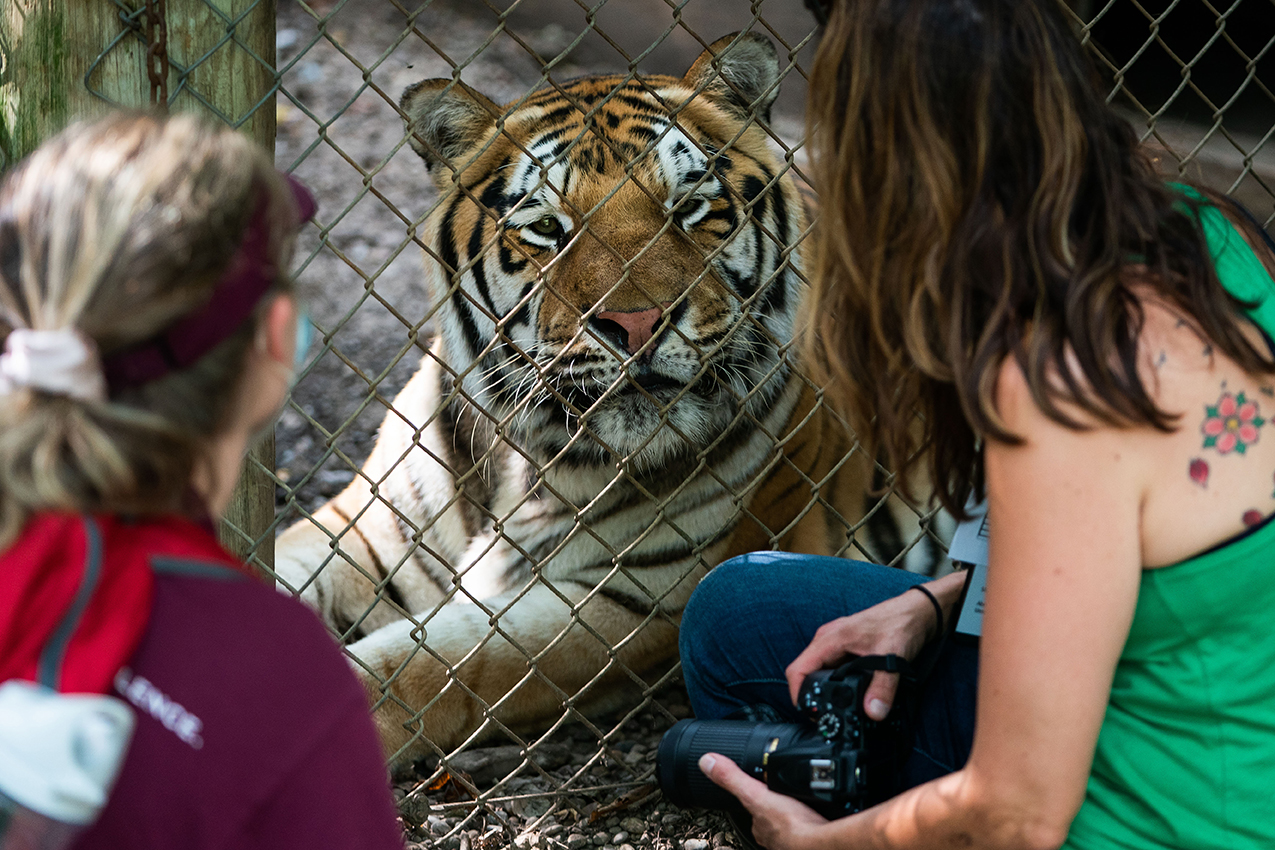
(1237, 265)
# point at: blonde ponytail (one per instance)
(117, 229)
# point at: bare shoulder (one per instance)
(1218, 466)
(1208, 479)
(1114, 458)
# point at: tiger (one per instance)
(611, 405)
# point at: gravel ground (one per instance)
(578, 795)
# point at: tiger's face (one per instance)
(616, 277)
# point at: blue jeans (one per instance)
(751, 616)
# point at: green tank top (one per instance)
(1186, 754)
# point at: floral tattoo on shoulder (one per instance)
(1231, 425)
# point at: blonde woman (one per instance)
(1088, 347)
(147, 333)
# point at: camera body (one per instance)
(838, 761)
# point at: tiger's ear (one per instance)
(741, 71)
(445, 118)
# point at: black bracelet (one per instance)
(938, 609)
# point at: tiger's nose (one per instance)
(631, 330)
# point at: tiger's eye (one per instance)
(547, 226)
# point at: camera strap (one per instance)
(914, 674)
(890, 663)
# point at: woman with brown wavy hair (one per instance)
(1007, 295)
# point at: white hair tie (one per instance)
(61, 362)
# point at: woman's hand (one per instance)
(779, 822)
(900, 625)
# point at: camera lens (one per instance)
(742, 741)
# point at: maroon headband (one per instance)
(235, 296)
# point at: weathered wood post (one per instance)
(226, 49)
(49, 47)
(66, 59)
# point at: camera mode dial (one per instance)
(829, 725)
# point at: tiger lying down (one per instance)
(609, 410)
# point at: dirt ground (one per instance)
(345, 64)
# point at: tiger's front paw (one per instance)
(417, 704)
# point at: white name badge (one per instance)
(969, 546)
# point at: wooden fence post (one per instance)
(47, 48)
(66, 59)
(227, 48)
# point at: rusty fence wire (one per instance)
(532, 748)
(509, 566)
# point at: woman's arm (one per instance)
(1063, 582)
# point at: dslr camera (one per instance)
(838, 762)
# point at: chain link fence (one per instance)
(450, 538)
(1195, 77)
(1188, 75)
(343, 70)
